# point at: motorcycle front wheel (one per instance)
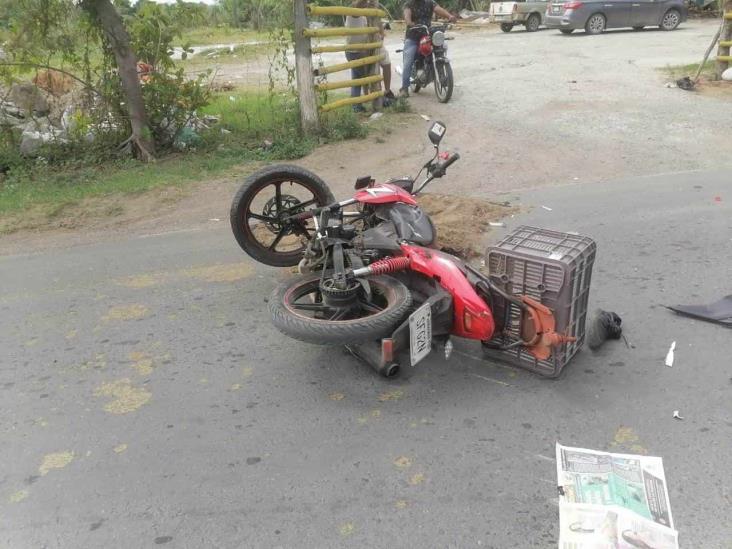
(414, 85)
(260, 210)
(443, 81)
(306, 310)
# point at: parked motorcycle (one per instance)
(432, 64)
(371, 277)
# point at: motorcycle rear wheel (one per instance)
(264, 200)
(443, 81)
(299, 311)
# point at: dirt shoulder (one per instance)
(529, 110)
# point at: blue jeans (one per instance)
(408, 57)
(358, 72)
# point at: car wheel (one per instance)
(533, 22)
(506, 27)
(671, 20)
(595, 24)
(566, 31)
(638, 28)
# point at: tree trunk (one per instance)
(304, 67)
(115, 33)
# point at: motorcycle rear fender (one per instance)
(472, 317)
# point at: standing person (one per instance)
(360, 72)
(417, 12)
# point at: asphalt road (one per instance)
(147, 401)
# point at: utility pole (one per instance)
(304, 69)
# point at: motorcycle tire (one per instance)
(414, 86)
(240, 210)
(297, 325)
(443, 81)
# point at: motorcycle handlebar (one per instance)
(450, 161)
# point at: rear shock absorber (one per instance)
(383, 266)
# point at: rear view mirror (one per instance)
(436, 132)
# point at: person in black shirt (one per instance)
(417, 12)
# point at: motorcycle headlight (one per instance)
(438, 39)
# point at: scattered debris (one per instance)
(719, 311)
(727, 75)
(676, 415)
(684, 83)
(547, 208)
(214, 219)
(425, 117)
(602, 326)
(670, 355)
(376, 116)
(496, 224)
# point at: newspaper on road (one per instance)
(617, 501)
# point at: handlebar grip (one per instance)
(450, 161)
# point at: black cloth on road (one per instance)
(719, 311)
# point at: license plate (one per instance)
(555, 9)
(420, 333)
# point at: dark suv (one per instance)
(596, 16)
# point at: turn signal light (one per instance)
(468, 321)
(572, 5)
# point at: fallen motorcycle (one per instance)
(372, 278)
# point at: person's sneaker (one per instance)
(359, 108)
(389, 95)
(404, 92)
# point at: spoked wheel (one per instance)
(260, 210)
(671, 20)
(414, 85)
(315, 309)
(443, 81)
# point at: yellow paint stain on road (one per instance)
(140, 281)
(71, 334)
(31, 342)
(416, 479)
(120, 448)
(18, 496)
(403, 462)
(235, 387)
(41, 422)
(336, 396)
(346, 529)
(220, 273)
(401, 504)
(247, 372)
(625, 435)
(141, 362)
(125, 397)
(373, 414)
(203, 381)
(57, 460)
(394, 394)
(638, 449)
(134, 311)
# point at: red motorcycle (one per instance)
(371, 277)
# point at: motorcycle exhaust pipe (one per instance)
(378, 355)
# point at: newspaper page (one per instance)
(617, 501)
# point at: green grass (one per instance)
(679, 71)
(259, 129)
(204, 36)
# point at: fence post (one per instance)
(304, 67)
(376, 68)
(723, 51)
